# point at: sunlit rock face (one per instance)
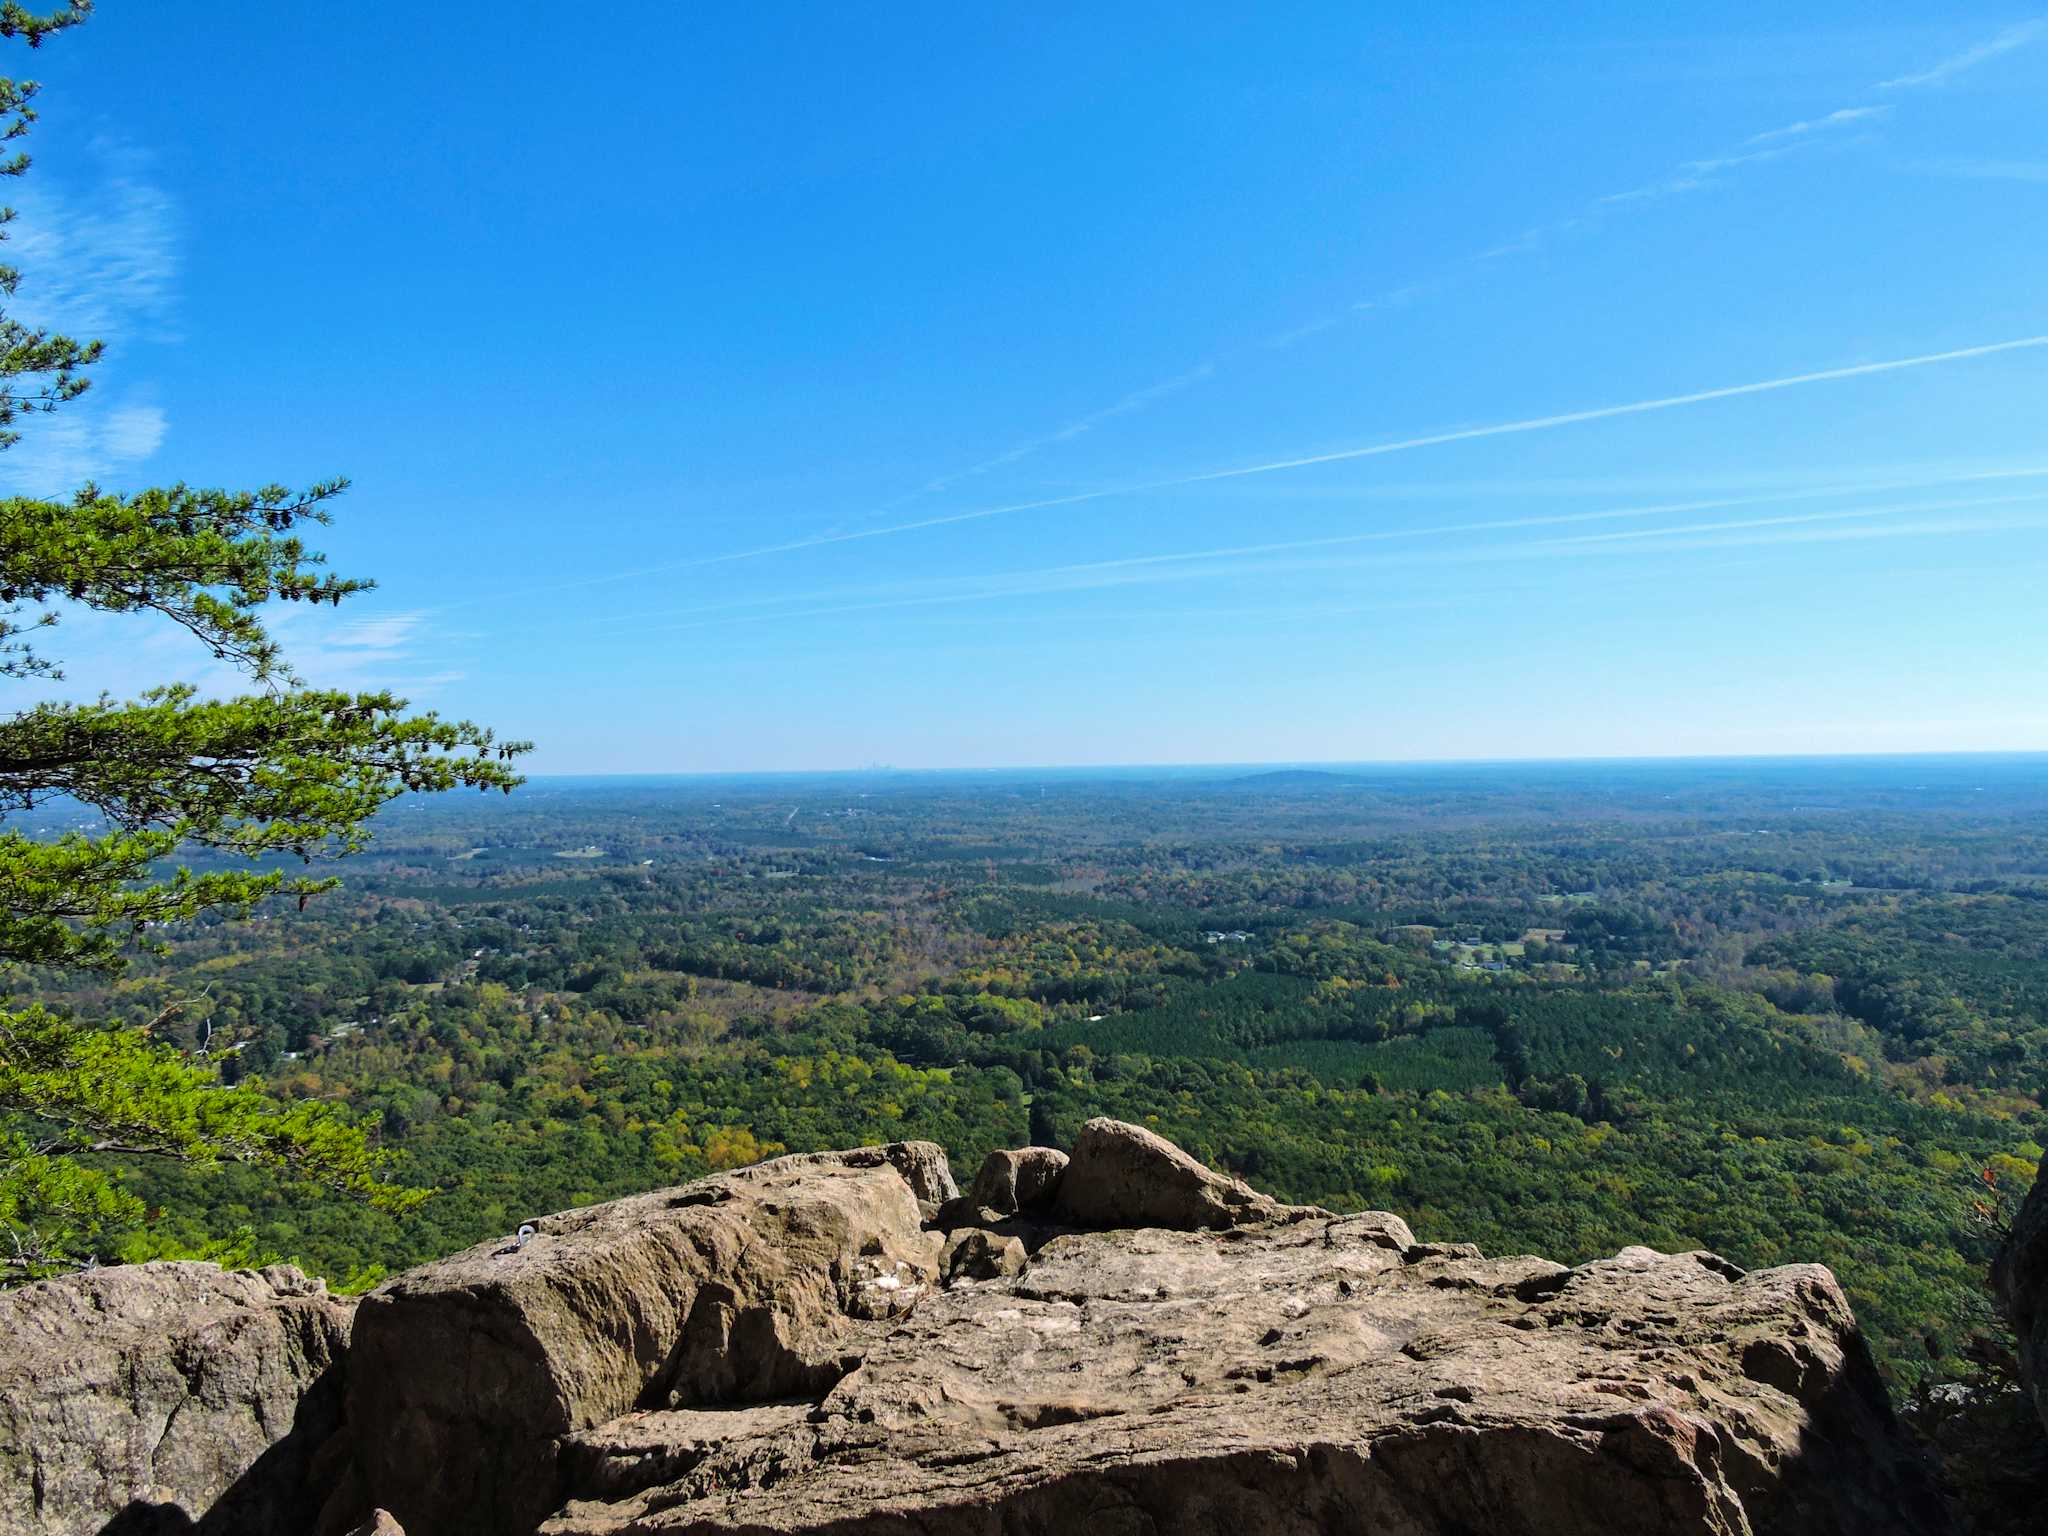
(1119, 1341)
(155, 1396)
(1126, 1342)
(471, 1375)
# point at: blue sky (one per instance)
(780, 386)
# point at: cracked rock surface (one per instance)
(1123, 1342)
(1159, 1351)
(167, 1394)
(1325, 1376)
(473, 1378)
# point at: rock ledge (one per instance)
(1122, 1342)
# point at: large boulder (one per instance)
(167, 1396)
(1026, 1179)
(2020, 1277)
(1123, 1175)
(1313, 1375)
(469, 1374)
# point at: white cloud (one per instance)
(1800, 130)
(98, 257)
(121, 654)
(1394, 298)
(1854, 524)
(1688, 176)
(89, 439)
(132, 432)
(367, 652)
(2019, 36)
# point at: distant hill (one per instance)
(1294, 778)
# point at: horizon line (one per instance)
(1590, 759)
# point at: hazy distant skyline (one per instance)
(783, 388)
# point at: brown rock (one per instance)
(759, 1284)
(768, 1351)
(1124, 1176)
(975, 1254)
(1316, 1376)
(924, 1168)
(1301, 1373)
(638, 1451)
(166, 1394)
(2020, 1276)
(1024, 1180)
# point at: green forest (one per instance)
(1772, 1014)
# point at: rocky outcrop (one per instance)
(1027, 1179)
(1319, 1376)
(2020, 1276)
(1124, 1343)
(470, 1374)
(1130, 1343)
(923, 1166)
(163, 1396)
(1125, 1176)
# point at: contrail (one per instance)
(1377, 535)
(2012, 37)
(1853, 514)
(1344, 455)
(1687, 176)
(1135, 400)
(1006, 584)
(1605, 412)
